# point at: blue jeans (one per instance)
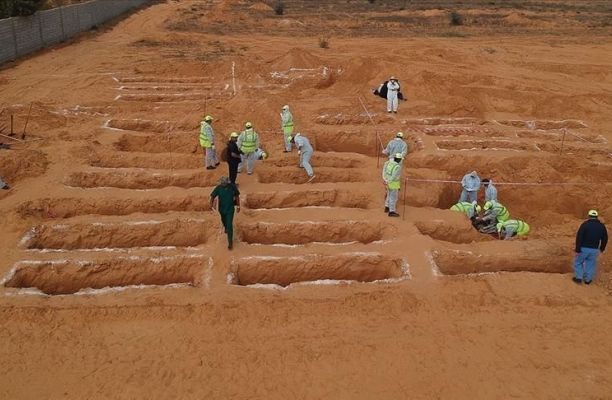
(587, 258)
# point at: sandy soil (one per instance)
(116, 280)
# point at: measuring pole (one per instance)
(26, 123)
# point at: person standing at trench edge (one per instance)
(591, 239)
(233, 157)
(228, 201)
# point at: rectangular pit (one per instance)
(71, 236)
(141, 179)
(484, 145)
(361, 141)
(146, 125)
(506, 256)
(71, 206)
(172, 142)
(544, 124)
(164, 97)
(298, 175)
(72, 276)
(307, 198)
(322, 159)
(296, 232)
(127, 159)
(472, 131)
(163, 79)
(284, 271)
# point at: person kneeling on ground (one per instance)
(512, 227)
(229, 199)
(494, 213)
(391, 173)
(471, 210)
(305, 151)
(591, 239)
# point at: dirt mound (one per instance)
(260, 7)
(297, 57)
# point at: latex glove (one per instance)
(299, 152)
(212, 147)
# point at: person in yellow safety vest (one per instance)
(512, 227)
(495, 212)
(391, 173)
(287, 125)
(470, 209)
(207, 141)
(248, 143)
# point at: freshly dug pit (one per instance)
(354, 141)
(473, 131)
(558, 136)
(163, 79)
(71, 236)
(307, 198)
(144, 125)
(297, 232)
(580, 150)
(166, 88)
(283, 271)
(70, 276)
(441, 121)
(545, 125)
(70, 206)
(456, 230)
(298, 175)
(170, 143)
(516, 257)
(163, 97)
(139, 179)
(484, 145)
(128, 159)
(335, 118)
(321, 159)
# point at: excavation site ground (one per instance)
(115, 277)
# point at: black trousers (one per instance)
(233, 170)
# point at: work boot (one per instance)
(230, 246)
(386, 210)
(587, 282)
(577, 281)
(217, 164)
(393, 214)
(210, 167)
(310, 179)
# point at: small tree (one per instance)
(455, 18)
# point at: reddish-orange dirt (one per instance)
(115, 277)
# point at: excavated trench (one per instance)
(143, 125)
(442, 121)
(339, 118)
(298, 175)
(534, 256)
(165, 97)
(454, 229)
(69, 206)
(170, 143)
(166, 88)
(96, 235)
(320, 159)
(139, 179)
(297, 232)
(577, 150)
(307, 198)
(472, 131)
(163, 79)
(355, 141)
(71, 276)
(558, 137)
(283, 271)
(127, 159)
(484, 145)
(544, 125)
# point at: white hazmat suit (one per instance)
(393, 88)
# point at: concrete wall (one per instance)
(22, 35)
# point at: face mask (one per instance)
(398, 160)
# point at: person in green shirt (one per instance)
(228, 200)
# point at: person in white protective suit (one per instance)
(287, 125)
(490, 190)
(393, 88)
(471, 185)
(305, 152)
(395, 146)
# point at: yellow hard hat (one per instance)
(208, 118)
(398, 155)
(264, 155)
(593, 213)
(248, 125)
(488, 205)
(399, 134)
(234, 135)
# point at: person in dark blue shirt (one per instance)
(591, 239)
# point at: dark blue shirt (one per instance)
(592, 234)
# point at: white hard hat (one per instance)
(285, 107)
(393, 78)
